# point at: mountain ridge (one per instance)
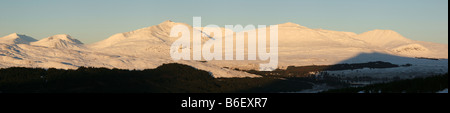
(150, 47)
(62, 41)
(15, 38)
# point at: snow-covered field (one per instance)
(298, 46)
(443, 91)
(419, 68)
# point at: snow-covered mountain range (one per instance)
(149, 47)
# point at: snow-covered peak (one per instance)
(15, 38)
(12, 35)
(59, 41)
(63, 37)
(167, 22)
(157, 34)
(382, 31)
(384, 38)
(383, 34)
(290, 24)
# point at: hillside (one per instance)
(150, 47)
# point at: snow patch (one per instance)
(443, 91)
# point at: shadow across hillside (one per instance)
(320, 76)
(376, 56)
(360, 61)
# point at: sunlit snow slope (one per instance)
(150, 47)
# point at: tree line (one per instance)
(168, 78)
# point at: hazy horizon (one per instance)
(93, 21)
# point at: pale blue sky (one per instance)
(94, 20)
